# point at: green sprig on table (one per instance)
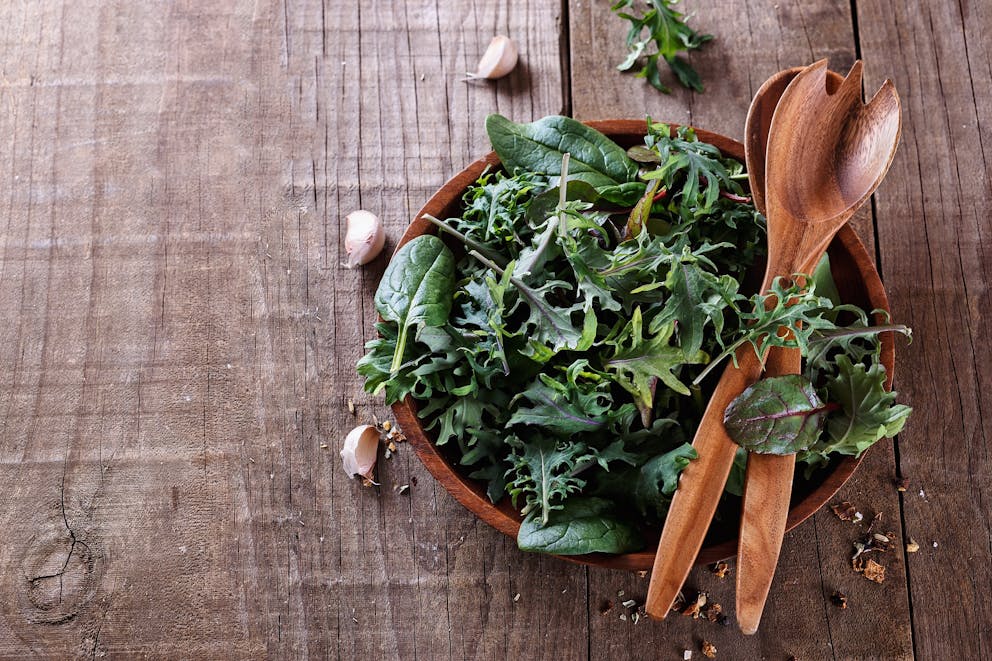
(667, 30)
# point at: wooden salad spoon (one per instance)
(768, 482)
(826, 154)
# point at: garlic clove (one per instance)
(499, 59)
(364, 237)
(361, 448)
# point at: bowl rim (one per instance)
(471, 494)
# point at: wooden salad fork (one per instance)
(768, 481)
(826, 154)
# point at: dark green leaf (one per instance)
(623, 195)
(584, 525)
(545, 205)
(659, 478)
(543, 472)
(540, 145)
(563, 409)
(699, 298)
(416, 289)
(642, 154)
(670, 35)
(639, 215)
(823, 282)
(777, 415)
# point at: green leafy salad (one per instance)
(561, 342)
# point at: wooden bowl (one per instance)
(858, 283)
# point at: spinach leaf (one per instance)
(623, 195)
(584, 525)
(777, 415)
(416, 289)
(539, 146)
(658, 479)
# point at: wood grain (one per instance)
(178, 337)
(936, 253)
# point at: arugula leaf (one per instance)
(416, 289)
(542, 472)
(496, 210)
(638, 363)
(869, 412)
(686, 163)
(582, 245)
(668, 31)
(583, 525)
(563, 409)
(539, 146)
(790, 305)
(699, 297)
(776, 415)
(463, 412)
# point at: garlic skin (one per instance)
(499, 59)
(361, 447)
(364, 237)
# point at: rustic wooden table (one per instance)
(179, 339)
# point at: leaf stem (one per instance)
(829, 336)
(471, 243)
(563, 192)
(488, 262)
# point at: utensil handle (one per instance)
(700, 487)
(764, 512)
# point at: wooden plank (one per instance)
(180, 337)
(761, 39)
(936, 254)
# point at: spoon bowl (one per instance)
(759, 123)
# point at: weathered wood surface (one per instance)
(178, 335)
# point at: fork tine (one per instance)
(886, 96)
(852, 83)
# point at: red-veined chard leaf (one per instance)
(777, 415)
